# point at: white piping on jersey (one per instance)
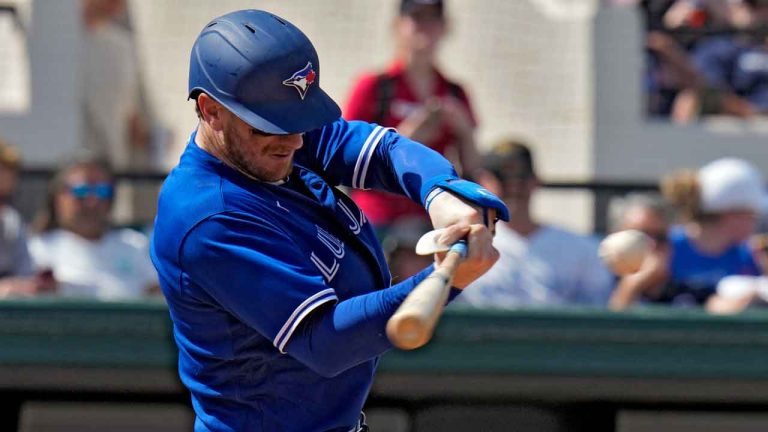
(335, 245)
(356, 225)
(365, 156)
(307, 306)
(280, 206)
(328, 272)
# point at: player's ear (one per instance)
(210, 111)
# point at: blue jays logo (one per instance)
(301, 80)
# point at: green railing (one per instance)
(652, 343)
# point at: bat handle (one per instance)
(412, 325)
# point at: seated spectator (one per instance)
(651, 215)
(76, 241)
(735, 74)
(540, 264)
(718, 204)
(17, 277)
(399, 244)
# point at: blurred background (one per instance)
(587, 116)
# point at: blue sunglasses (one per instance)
(103, 191)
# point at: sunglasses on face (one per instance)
(103, 191)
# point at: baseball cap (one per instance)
(408, 6)
(731, 184)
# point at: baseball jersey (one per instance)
(365, 102)
(244, 264)
(694, 275)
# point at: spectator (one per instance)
(651, 215)
(718, 204)
(413, 96)
(76, 241)
(16, 273)
(114, 125)
(400, 247)
(540, 264)
(735, 75)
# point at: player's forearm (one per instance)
(335, 339)
(413, 164)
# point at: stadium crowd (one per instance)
(707, 250)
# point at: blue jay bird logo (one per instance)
(302, 79)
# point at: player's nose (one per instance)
(293, 141)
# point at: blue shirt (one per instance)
(729, 63)
(694, 275)
(245, 265)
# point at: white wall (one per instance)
(50, 129)
(526, 64)
(628, 146)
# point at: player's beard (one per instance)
(253, 161)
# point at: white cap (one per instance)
(731, 184)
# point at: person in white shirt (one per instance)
(17, 276)
(76, 241)
(540, 264)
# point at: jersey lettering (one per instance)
(334, 245)
(355, 224)
(328, 271)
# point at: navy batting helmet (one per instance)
(264, 70)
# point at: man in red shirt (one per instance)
(412, 96)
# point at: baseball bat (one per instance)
(412, 325)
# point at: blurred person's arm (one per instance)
(649, 281)
(736, 293)
(458, 116)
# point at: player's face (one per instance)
(264, 156)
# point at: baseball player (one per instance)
(277, 287)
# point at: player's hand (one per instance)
(449, 209)
(481, 255)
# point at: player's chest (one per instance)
(337, 240)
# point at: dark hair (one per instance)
(46, 219)
(407, 6)
(194, 96)
(510, 158)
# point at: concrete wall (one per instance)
(51, 126)
(628, 145)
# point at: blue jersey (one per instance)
(694, 275)
(245, 265)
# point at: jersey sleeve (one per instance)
(368, 156)
(361, 104)
(256, 272)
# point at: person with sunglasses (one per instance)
(78, 244)
(540, 264)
